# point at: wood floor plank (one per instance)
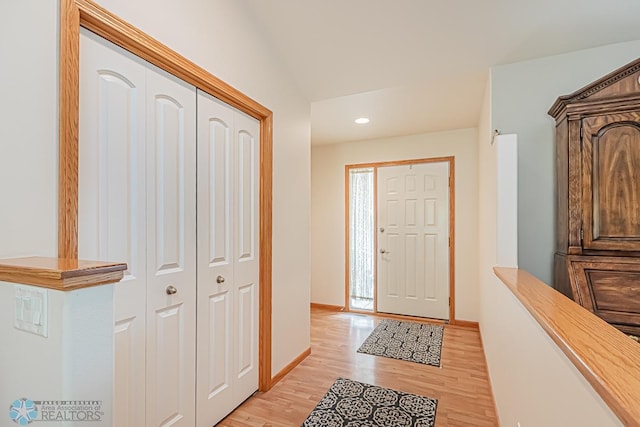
(461, 384)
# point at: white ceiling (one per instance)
(415, 66)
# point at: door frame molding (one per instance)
(375, 165)
(75, 14)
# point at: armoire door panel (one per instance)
(611, 174)
(171, 249)
(617, 181)
(111, 202)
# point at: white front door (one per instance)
(228, 259)
(413, 239)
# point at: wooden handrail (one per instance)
(606, 357)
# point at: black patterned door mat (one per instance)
(410, 341)
(351, 403)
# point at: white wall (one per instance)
(533, 382)
(328, 208)
(36, 377)
(521, 95)
(28, 128)
(75, 360)
(218, 36)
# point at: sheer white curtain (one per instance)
(361, 229)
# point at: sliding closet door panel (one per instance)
(112, 202)
(171, 240)
(246, 262)
(215, 261)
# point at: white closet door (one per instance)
(246, 255)
(112, 202)
(215, 261)
(228, 259)
(171, 250)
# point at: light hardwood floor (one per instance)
(461, 385)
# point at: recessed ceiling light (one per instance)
(362, 121)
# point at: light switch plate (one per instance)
(31, 310)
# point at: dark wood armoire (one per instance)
(597, 259)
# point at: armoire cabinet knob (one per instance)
(171, 290)
(220, 279)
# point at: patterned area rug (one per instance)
(411, 341)
(351, 403)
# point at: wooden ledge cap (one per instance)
(60, 274)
